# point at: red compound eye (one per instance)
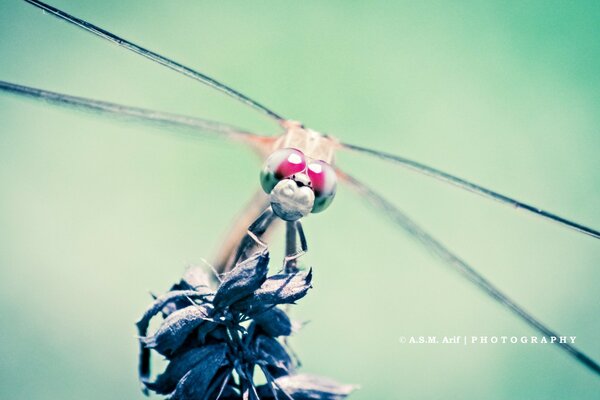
(281, 164)
(324, 184)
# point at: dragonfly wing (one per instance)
(136, 114)
(472, 187)
(262, 145)
(173, 65)
(236, 237)
(458, 264)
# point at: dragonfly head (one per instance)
(297, 186)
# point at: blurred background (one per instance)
(95, 213)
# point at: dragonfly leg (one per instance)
(293, 231)
(254, 233)
(228, 251)
(256, 239)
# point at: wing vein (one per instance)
(119, 110)
(175, 66)
(474, 188)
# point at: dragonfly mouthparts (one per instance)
(301, 179)
(291, 201)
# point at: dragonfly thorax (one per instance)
(313, 144)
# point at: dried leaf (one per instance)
(195, 384)
(274, 322)
(205, 329)
(277, 289)
(308, 387)
(273, 355)
(157, 306)
(244, 279)
(197, 278)
(161, 302)
(176, 328)
(166, 382)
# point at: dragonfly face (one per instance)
(298, 175)
(297, 185)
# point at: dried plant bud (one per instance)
(197, 278)
(274, 356)
(160, 303)
(196, 383)
(244, 279)
(277, 289)
(234, 329)
(170, 300)
(308, 387)
(176, 328)
(206, 329)
(179, 366)
(274, 322)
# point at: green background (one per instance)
(94, 213)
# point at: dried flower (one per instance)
(216, 339)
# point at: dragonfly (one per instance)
(316, 147)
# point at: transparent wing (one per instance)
(472, 187)
(175, 66)
(131, 113)
(236, 236)
(405, 223)
(260, 144)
